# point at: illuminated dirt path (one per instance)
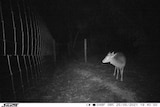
(79, 82)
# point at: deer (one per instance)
(118, 60)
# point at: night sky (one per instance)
(107, 22)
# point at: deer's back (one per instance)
(119, 60)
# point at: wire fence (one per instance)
(20, 49)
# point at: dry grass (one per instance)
(82, 82)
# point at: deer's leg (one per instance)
(114, 71)
(117, 73)
(121, 70)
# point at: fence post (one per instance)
(85, 50)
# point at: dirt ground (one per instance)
(76, 82)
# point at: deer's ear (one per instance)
(113, 53)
